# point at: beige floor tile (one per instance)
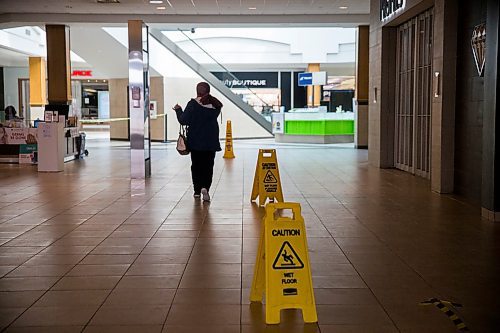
(123, 329)
(207, 296)
(376, 239)
(99, 270)
(19, 299)
(202, 328)
(123, 297)
(215, 281)
(26, 283)
(72, 298)
(134, 315)
(156, 269)
(40, 270)
(203, 314)
(145, 282)
(63, 316)
(8, 315)
(87, 282)
(358, 329)
(108, 259)
(46, 329)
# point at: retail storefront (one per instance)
(430, 104)
(261, 90)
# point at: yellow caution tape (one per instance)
(107, 120)
(442, 305)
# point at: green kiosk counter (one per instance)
(313, 127)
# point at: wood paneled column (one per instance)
(362, 75)
(58, 64)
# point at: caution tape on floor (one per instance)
(446, 308)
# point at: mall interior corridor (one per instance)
(87, 250)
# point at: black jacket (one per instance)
(203, 129)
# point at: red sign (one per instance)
(81, 73)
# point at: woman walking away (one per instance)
(200, 115)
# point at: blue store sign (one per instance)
(305, 79)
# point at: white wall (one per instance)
(269, 45)
(11, 91)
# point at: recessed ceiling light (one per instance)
(252, 8)
(156, 1)
(161, 8)
(342, 7)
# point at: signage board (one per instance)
(305, 79)
(389, 8)
(312, 79)
(248, 79)
(85, 73)
(278, 123)
(267, 182)
(282, 268)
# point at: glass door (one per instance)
(413, 95)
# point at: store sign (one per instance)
(13, 136)
(389, 8)
(478, 44)
(312, 79)
(248, 79)
(305, 79)
(86, 73)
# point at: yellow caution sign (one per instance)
(228, 152)
(266, 182)
(282, 267)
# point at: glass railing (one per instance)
(264, 102)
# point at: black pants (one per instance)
(202, 169)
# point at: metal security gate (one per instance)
(413, 95)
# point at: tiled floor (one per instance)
(87, 250)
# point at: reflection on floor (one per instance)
(87, 250)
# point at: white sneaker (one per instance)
(204, 193)
(197, 196)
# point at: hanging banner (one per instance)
(266, 182)
(282, 270)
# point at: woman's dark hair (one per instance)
(203, 91)
(10, 112)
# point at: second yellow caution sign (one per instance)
(267, 182)
(229, 152)
(282, 268)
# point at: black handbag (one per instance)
(182, 142)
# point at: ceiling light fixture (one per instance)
(343, 7)
(156, 2)
(252, 8)
(161, 8)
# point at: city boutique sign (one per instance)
(248, 79)
(389, 8)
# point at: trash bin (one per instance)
(80, 146)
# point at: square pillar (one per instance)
(490, 196)
(58, 64)
(361, 99)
